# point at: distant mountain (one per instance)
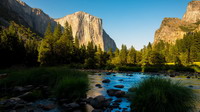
(172, 29)
(85, 26)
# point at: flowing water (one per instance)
(128, 80)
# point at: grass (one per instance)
(196, 63)
(63, 82)
(196, 68)
(169, 63)
(167, 68)
(162, 95)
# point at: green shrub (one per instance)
(162, 95)
(63, 82)
(71, 88)
(151, 69)
(129, 68)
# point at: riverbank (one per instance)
(54, 86)
(163, 73)
(57, 89)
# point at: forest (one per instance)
(20, 46)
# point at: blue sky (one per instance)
(130, 22)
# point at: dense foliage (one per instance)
(20, 46)
(162, 95)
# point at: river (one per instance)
(128, 80)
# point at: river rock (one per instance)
(62, 101)
(190, 86)
(108, 73)
(106, 81)
(71, 105)
(19, 89)
(115, 92)
(98, 85)
(27, 96)
(97, 110)
(121, 79)
(11, 103)
(3, 75)
(46, 107)
(18, 106)
(172, 75)
(77, 111)
(99, 102)
(115, 105)
(119, 86)
(118, 100)
(188, 77)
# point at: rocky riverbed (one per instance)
(107, 93)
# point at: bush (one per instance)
(151, 69)
(162, 95)
(63, 82)
(128, 68)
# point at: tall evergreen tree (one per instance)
(123, 55)
(131, 58)
(46, 50)
(76, 42)
(57, 32)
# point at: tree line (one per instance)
(20, 46)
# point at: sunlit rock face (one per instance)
(169, 31)
(192, 14)
(88, 28)
(32, 17)
(172, 29)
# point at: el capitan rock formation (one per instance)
(85, 26)
(172, 29)
(88, 28)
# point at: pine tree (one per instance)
(57, 32)
(116, 58)
(156, 58)
(46, 50)
(131, 58)
(90, 61)
(123, 55)
(48, 30)
(11, 46)
(99, 57)
(76, 42)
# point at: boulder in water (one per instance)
(106, 81)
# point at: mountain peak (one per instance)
(194, 2)
(192, 14)
(80, 12)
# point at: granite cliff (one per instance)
(88, 28)
(85, 26)
(21, 13)
(172, 29)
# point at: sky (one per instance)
(129, 22)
